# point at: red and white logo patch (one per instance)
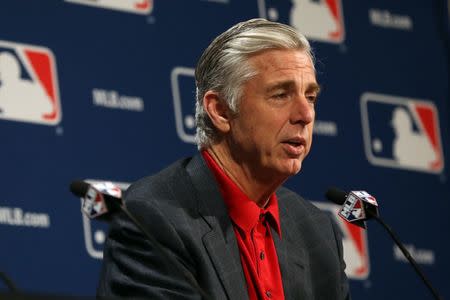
(401, 132)
(133, 6)
(28, 84)
(319, 19)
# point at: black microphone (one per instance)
(101, 200)
(358, 206)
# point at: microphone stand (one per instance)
(9, 283)
(407, 255)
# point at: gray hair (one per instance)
(223, 66)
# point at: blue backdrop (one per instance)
(104, 90)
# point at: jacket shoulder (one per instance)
(158, 184)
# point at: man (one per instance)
(222, 214)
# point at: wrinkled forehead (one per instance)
(281, 62)
(283, 57)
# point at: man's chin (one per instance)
(293, 167)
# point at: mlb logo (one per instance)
(354, 240)
(401, 133)
(95, 231)
(93, 204)
(28, 84)
(183, 93)
(321, 20)
(351, 210)
(133, 6)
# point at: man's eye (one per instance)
(312, 98)
(280, 95)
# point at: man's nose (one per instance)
(302, 111)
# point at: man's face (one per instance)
(272, 133)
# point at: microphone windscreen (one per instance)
(79, 188)
(336, 195)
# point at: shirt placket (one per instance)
(261, 255)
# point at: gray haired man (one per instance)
(223, 214)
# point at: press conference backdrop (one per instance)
(104, 90)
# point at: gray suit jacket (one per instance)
(183, 208)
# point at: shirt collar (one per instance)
(243, 211)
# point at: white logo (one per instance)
(113, 100)
(421, 256)
(183, 85)
(15, 216)
(28, 84)
(320, 20)
(401, 133)
(132, 6)
(385, 19)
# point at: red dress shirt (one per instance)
(252, 225)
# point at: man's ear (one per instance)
(217, 111)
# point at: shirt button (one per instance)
(268, 294)
(262, 255)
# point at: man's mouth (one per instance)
(296, 142)
(294, 146)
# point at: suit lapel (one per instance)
(292, 257)
(220, 242)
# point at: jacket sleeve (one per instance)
(134, 268)
(344, 280)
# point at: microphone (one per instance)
(359, 206)
(101, 200)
